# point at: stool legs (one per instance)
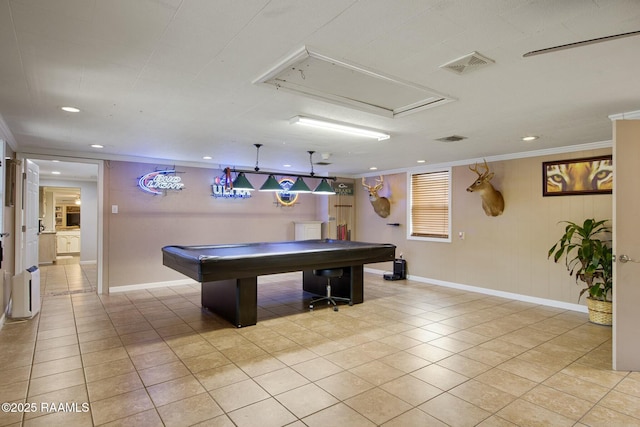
(329, 298)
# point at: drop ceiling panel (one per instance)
(316, 75)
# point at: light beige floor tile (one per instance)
(109, 369)
(306, 400)
(625, 403)
(577, 387)
(506, 381)
(605, 417)
(344, 385)
(525, 414)
(406, 362)
(56, 366)
(205, 361)
(162, 373)
(56, 382)
(189, 411)
(483, 395)
(411, 390)
(377, 372)
(454, 411)
(120, 406)
(113, 386)
(378, 405)
(557, 401)
(337, 415)
(440, 377)
(279, 381)
(173, 390)
(316, 369)
(414, 418)
(605, 378)
(76, 419)
(238, 395)
(148, 418)
(266, 413)
(463, 365)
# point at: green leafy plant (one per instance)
(587, 257)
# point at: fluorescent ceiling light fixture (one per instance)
(97, 146)
(206, 157)
(55, 172)
(529, 138)
(339, 127)
(70, 109)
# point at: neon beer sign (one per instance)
(159, 182)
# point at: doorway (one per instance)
(69, 211)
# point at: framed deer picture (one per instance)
(591, 175)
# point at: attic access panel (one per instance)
(309, 73)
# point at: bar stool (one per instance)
(329, 273)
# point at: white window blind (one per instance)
(430, 204)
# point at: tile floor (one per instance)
(410, 355)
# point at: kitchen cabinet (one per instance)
(47, 247)
(68, 241)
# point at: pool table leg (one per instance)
(235, 300)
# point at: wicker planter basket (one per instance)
(600, 312)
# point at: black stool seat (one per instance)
(330, 273)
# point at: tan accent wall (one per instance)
(505, 253)
(145, 223)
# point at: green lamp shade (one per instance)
(242, 183)
(271, 184)
(324, 188)
(299, 187)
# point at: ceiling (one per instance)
(173, 80)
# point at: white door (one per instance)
(30, 210)
(626, 291)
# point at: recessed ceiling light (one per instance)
(373, 168)
(70, 109)
(529, 138)
(206, 157)
(55, 173)
(422, 161)
(55, 161)
(97, 146)
(286, 166)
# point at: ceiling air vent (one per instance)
(314, 75)
(452, 138)
(467, 63)
(322, 163)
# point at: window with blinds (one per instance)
(430, 204)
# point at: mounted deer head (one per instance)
(380, 204)
(492, 201)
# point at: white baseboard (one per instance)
(152, 285)
(469, 288)
(493, 292)
(89, 262)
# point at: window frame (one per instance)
(448, 239)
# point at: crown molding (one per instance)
(631, 115)
(497, 158)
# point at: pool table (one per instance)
(229, 273)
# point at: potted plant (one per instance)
(589, 258)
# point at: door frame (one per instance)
(22, 157)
